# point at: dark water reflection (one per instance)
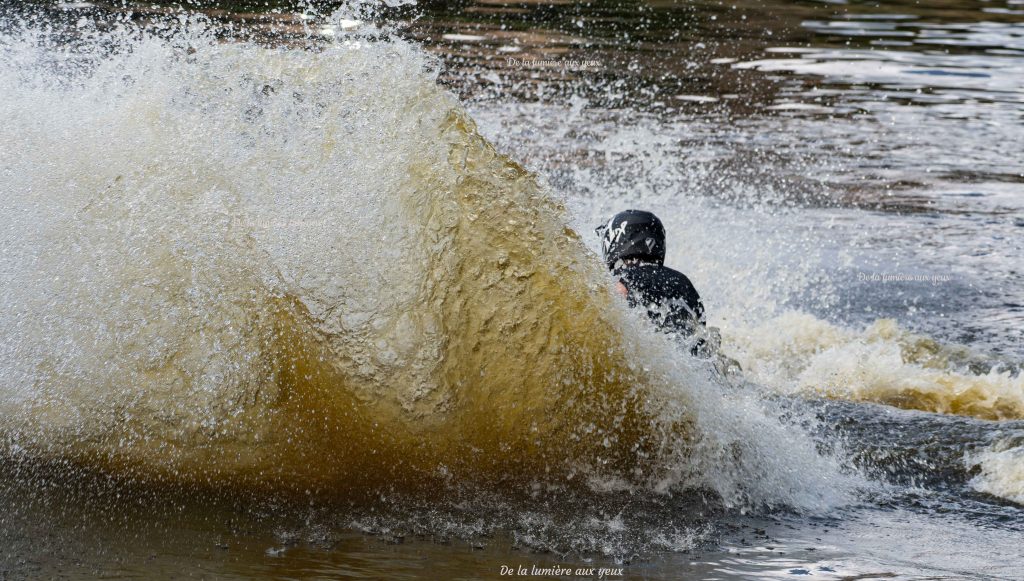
(924, 75)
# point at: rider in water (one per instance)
(633, 245)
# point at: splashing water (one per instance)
(233, 265)
(772, 277)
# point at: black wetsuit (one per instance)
(669, 297)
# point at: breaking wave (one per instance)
(798, 353)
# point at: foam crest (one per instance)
(798, 353)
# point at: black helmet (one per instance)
(632, 234)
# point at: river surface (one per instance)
(311, 291)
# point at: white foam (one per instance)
(1001, 471)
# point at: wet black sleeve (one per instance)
(686, 310)
(670, 299)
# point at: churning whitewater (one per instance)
(229, 264)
